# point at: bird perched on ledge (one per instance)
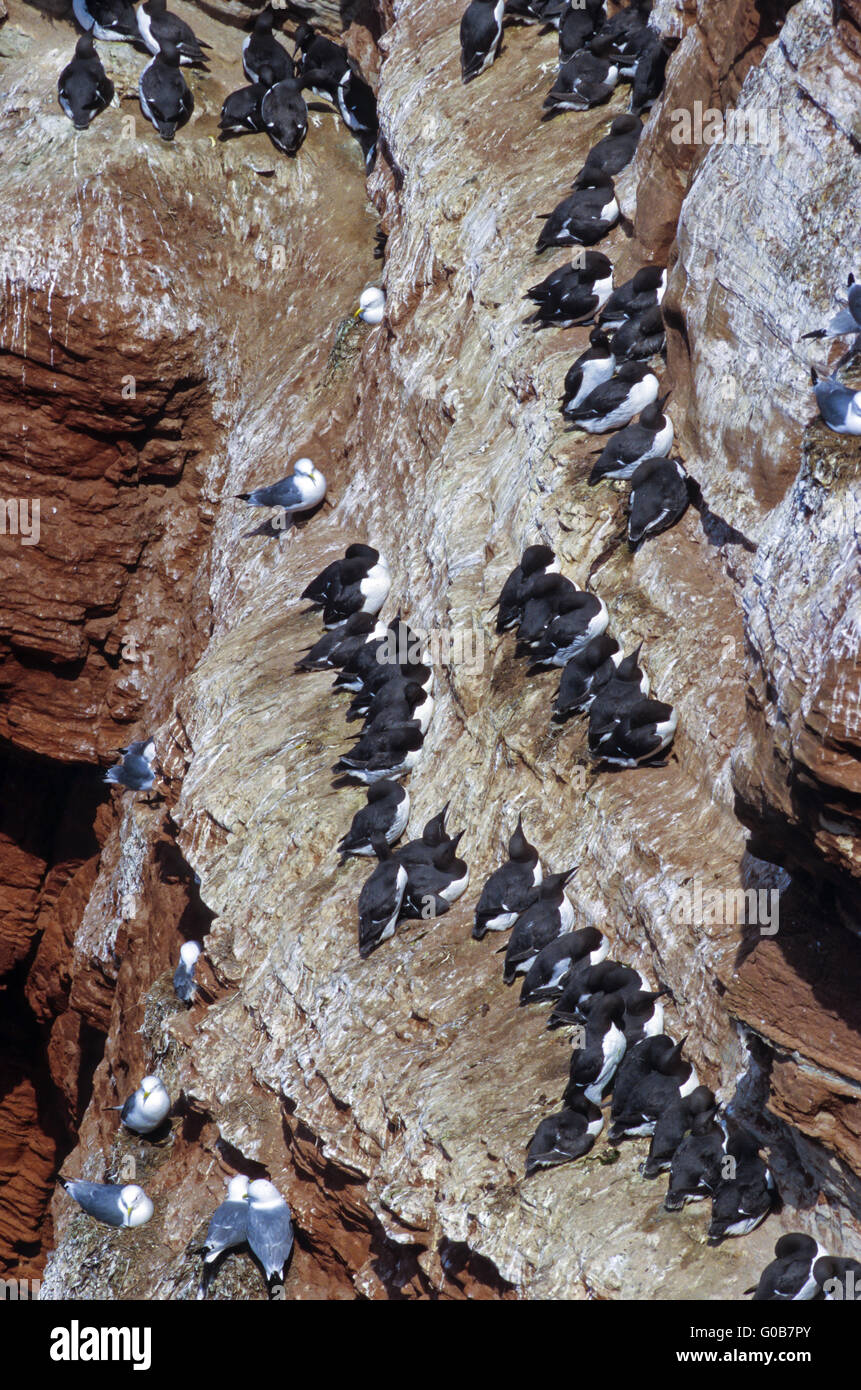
(111, 1203)
(301, 490)
(480, 36)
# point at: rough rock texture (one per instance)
(392, 1100)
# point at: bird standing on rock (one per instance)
(511, 888)
(650, 437)
(228, 1227)
(109, 21)
(261, 50)
(480, 36)
(83, 88)
(183, 977)
(285, 115)
(380, 900)
(659, 498)
(160, 29)
(566, 1136)
(240, 112)
(584, 217)
(617, 401)
(301, 490)
(165, 97)
(270, 1228)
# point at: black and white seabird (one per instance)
(742, 1201)
(674, 1124)
(358, 583)
(480, 36)
(625, 34)
(380, 900)
(651, 436)
(839, 406)
(644, 1014)
(641, 336)
(535, 11)
(659, 498)
(228, 1226)
(400, 647)
(580, 617)
(159, 27)
(790, 1277)
(262, 50)
(183, 976)
(114, 1204)
(511, 888)
(578, 24)
(390, 753)
(577, 687)
(695, 1168)
(641, 732)
(615, 689)
(566, 1136)
(270, 1228)
(337, 645)
(327, 60)
(433, 885)
(643, 291)
(653, 1075)
(547, 918)
(384, 686)
(593, 367)
(433, 837)
(109, 21)
(583, 81)
(165, 97)
(617, 148)
(398, 703)
(649, 76)
(838, 1277)
(325, 585)
(586, 268)
(640, 1061)
(594, 1065)
(573, 294)
(83, 88)
(240, 111)
(285, 120)
(301, 490)
(536, 560)
(546, 596)
(582, 218)
(384, 817)
(586, 984)
(545, 978)
(357, 104)
(146, 1108)
(617, 401)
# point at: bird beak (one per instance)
(357, 312)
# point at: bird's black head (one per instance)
(535, 558)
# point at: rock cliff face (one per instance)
(170, 337)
